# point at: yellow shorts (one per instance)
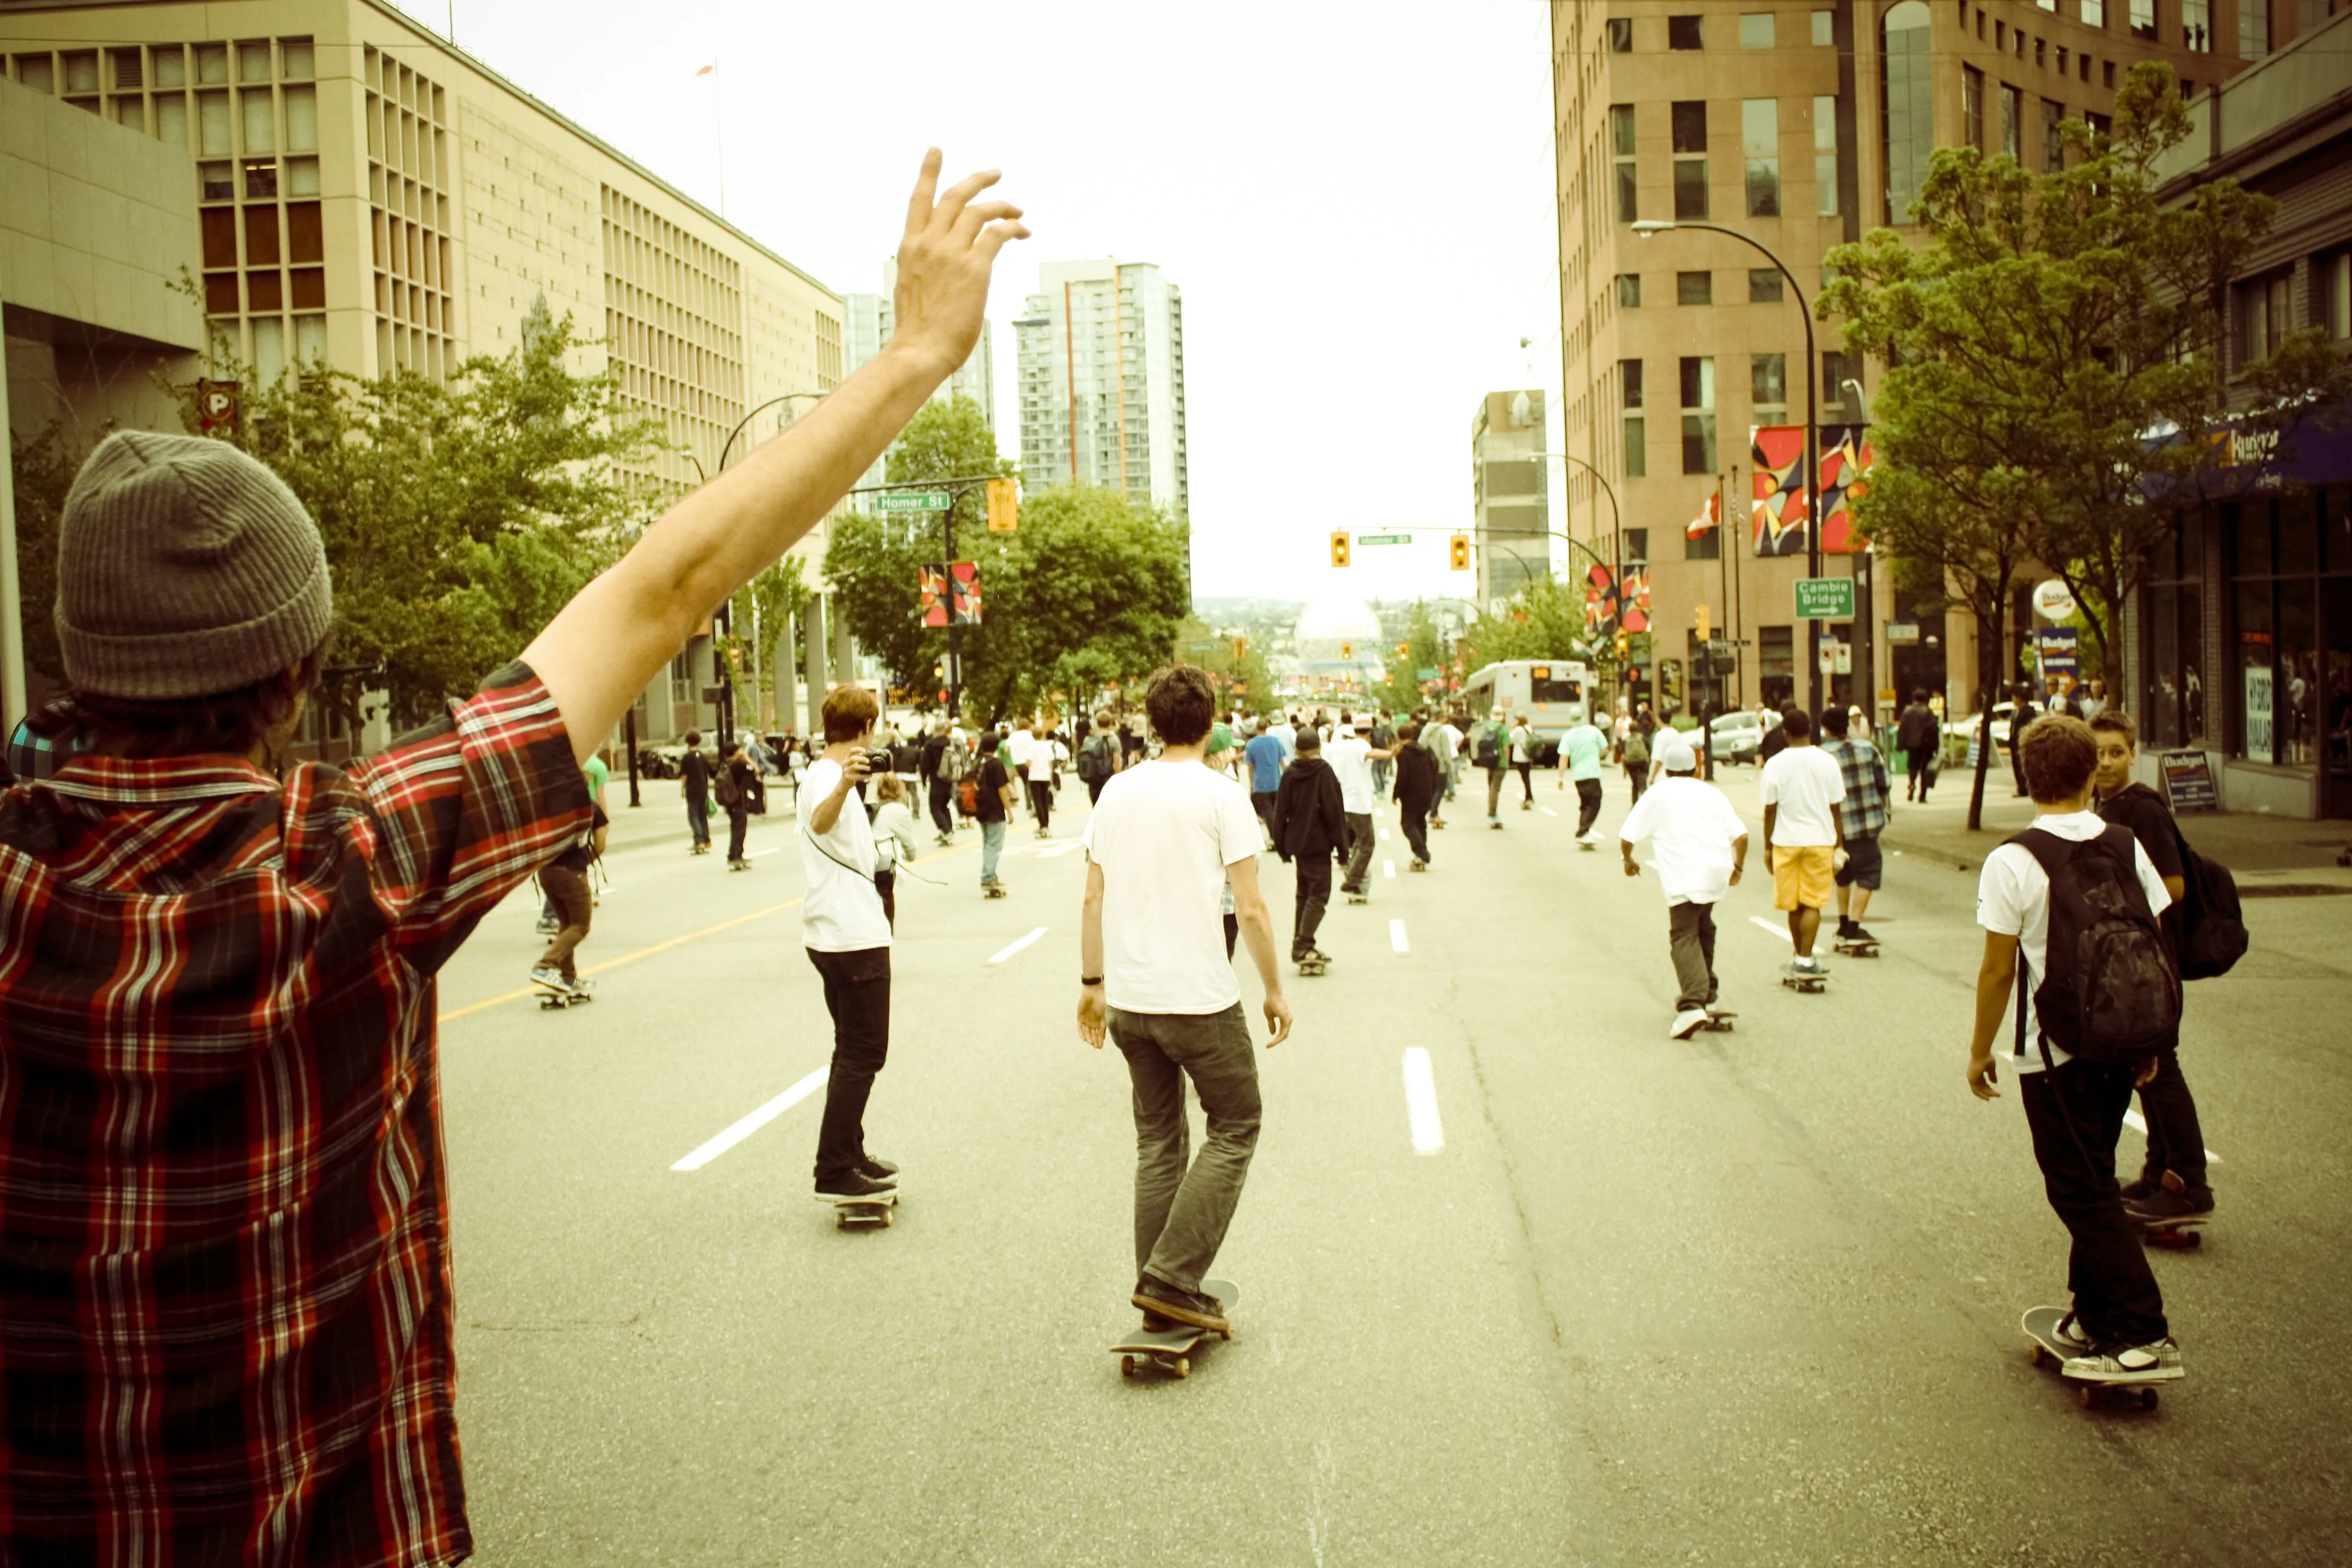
(1804, 877)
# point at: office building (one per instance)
(1801, 125)
(1100, 361)
(369, 196)
(1509, 515)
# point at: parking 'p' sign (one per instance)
(215, 407)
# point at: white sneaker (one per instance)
(1686, 1023)
(1808, 966)
(2157, 1363)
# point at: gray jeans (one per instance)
(1361, 835)
(1180, 1212)
(1690, 935)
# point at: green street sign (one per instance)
(1427, 672)
(1825, 598)
(1384, 539)
(913, 500)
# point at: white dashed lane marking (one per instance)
(1421, 1102)
(1780, 930)
(1396, 937)
(1388, 867)
(1013, 947)
(753, 1122)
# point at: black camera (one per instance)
(878, 762)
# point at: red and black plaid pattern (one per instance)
(225, 1300)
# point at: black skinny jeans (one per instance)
(858, 995)
(1914, 762)
(2175, 1142)
(1314, 896)
(2075, 1112)
(1414, 816)
(739, 818)
(942, 792)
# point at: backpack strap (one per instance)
(2050, 852)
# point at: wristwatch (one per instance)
(1097, 980)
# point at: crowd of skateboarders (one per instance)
(260, 1041)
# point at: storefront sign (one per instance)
(2061, 656)
(2258, 711)
(2052, 601)
(2189, 782)
(1901, 632)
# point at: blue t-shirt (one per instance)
(1265, 755)
(1582, 747)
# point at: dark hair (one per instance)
(229, 722)
(1180, 703)
(1919, 695)
(2059, 755)
(694, 737)
(2115, 721)
(849, 713)
(1409, 734)
(1834, 719)
(1797, 723)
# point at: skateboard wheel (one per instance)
(1127, 1366)
(2035, 1355)
(2147, 1399)
(886, 1219)
(2089, 1395)
(1183, 1366)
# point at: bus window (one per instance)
(1545, 688)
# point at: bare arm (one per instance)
(617, 633)
(828, 811)
(1996, 978)
(1771, 815)
(1257, 930)
(1092, 1011)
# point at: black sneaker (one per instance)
(1854, 932)
(1162, 1300)
(851, 1185)
(2138, 1189)
(2164, 1203)
(877, 1169)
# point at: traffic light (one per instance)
(1705, 621)
(1240, 649)
(1338, 547)
(1462, 553)
(1003, 506)
(1624, 643)
(1347, 650)
(1404, 650)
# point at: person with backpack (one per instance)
(1417, 789)
(1918, 736)
(1310, 824)
(732, 790)
(1633, 751)
(1489, 748)
(938, 789)
(1101, 757)
(1524, 746)
(2172, 1183)
(2073, 950)
(695, 774)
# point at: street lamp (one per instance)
(1813, 437)
(762, 408)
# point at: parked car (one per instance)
(1737, 734)
(1965, 730)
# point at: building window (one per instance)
(1972, 107)
(1759, 150)
(1824, 29)
(2253, 29)
(2262, 307)
(1756, 29)
(1825, 156)
(2053, 146)
(1768, 386)
(1682, 33)
(2012, 108)
(2172, 697)
(1698, 416)
(1621, 35)
(2143, 19)
(2095, 13)
(1629, 291)
(1834, 378)
(2197, 25)
(2331, 294)
(1620, 144)
(1764, 285)
(1690, 159)
(1629, 385)
(1907, 105)
(1693, 287)
(1776, 665)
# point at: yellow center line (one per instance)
(451, 1014)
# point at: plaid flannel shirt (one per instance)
(224, 1299)
(1864, 811)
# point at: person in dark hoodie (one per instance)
(1311, 822)
(1417, 789)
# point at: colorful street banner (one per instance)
(933, 598)
(1778, 452)
(1599, 597)
(963, 579)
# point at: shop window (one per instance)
(1776, 665)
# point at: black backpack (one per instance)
(2112, 992)
(2212, 923)
(1094, 759)
(1489, 752)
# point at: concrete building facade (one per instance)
(1511, 525)
(1100, 361)
(369, 196)
(1801, 125)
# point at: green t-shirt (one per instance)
(597, 773)
(1582, 746)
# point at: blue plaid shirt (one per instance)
(33, 757)
(1863, 812)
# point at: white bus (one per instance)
(1548, 693)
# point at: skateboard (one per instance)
(992, 889)
(1718, 1021)
(1172, 1352)
(2040, 1326)
(554, 996)
(854, 1214)
(1855, 947)
(1587, 845)
(1416, 866)
(1817, 980)
(1359, 898)
(1308, 967)
(2183, 1234)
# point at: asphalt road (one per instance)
(1751, 1299)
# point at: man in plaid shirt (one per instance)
(224, 1294)
(1863, 813)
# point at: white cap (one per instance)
(1676, 753)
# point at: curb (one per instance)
(1931, 852)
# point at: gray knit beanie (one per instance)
(185, 569)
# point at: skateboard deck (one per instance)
(851, 1213)
(1718, 1021)
(1850, 948)
(1308, 967)
(556, 997)
(2040, 1326)
(1171, 1351)
(993, 889)
(2183, 1233)
(1359, 898)
(1817, 980)
(1587, 846)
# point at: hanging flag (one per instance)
(1778, 452)
(1709, 518)
(1599, 597)
(932, 579)
(1846, 475)
(963, 581)
(1635, 612)
(708, 69)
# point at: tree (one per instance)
(459, 515)
(2051, 327)
(1424, 646)
(1245, 681)
(1545, 619)
(45, 466)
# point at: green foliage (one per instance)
(1425, 649)
(1545, 619)
(2051, 322)
(459, 515)
(1246, 681)
(45, 466)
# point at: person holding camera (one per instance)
(846, 929)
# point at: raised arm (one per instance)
(616, 635)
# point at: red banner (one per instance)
(963, 579)
(933, 598)
(1780, 499)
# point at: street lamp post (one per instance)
(1812, 438)
(1617, 536)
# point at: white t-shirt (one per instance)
(1692, 828)
(2013, 900)
(1038, 764)
(1351, 759)
(1521, 743)
(842, 910)
(1289, 736)
(1806, 783)
(1019, 743)
(1446, 742)
(1164, 833)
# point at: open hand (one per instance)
(1093, 1016)
(944, 261)
(1983, 1073)
(1278, 1020)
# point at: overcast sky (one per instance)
(1354, 199)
